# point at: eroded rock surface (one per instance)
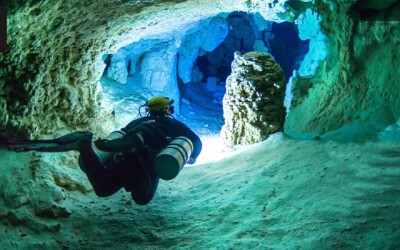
(49, 79)
(50, 74)
(253, 103)
(354, 90)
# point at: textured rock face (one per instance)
(159, 62)
(211, 34)
(118, 70)
(241, 37)
(253, 103)
(309, 29)
(49, 77)
(354, 90)
(251, 32)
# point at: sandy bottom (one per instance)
(281, 193)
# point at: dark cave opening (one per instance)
(195, 72)
(281, 40)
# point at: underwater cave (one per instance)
(196, 69)
(306, 92)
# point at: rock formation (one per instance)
(211, 34)
(50, 74)
(253, 103)
(349, 83)
(356, 82)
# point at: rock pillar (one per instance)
(253, 103)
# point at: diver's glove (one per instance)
(123, 144)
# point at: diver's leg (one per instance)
(145, 186)
(106, 180)
(145, 180)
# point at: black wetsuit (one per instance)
(134, 170)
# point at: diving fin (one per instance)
(73, 141)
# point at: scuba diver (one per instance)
(151, 147)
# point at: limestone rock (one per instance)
(50, 73)
(241, 37)
(158, 72)
(309, 29)
(355, 84)
(212, 82)
(253, 103)
(206, 37)
(118, 70)
(197, 75)
(53, 212)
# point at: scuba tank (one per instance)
(170, 161)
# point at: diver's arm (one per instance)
(197, 145)
(131, 139)
(127, 142)
(194, 138)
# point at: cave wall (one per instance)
(49, 79)
(49, 86)
(50, 74)
(355, 89)
(155, 64)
